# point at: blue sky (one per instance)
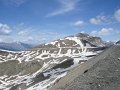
(39, 21)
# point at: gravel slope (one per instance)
(99, 73)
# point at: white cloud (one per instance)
(6, 38)
(94, 21)
(16, 3)
(23, 30)
(25, 36)
(22, 33)
(65, 6)
(30, 38)
(43, 37)
(79, 23)
(28, 34)
(1, 40)
(98, 20)
(105, 32)
(94, 32)
(4, 29)
(117, 15)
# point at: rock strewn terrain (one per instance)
(99, 73)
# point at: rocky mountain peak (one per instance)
(82, 35)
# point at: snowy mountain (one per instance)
(40, 67)
(15, 46)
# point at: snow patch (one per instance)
(47, 83)
(77, 40)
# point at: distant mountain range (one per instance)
(15, 46)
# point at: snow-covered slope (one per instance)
(44, 65)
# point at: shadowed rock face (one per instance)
(99, 73)
(13, 67)
(118, 42)
(82, 35)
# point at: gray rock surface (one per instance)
(99, 73)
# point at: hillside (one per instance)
(40, 67)
(99, 73)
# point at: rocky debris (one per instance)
(99, 73)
